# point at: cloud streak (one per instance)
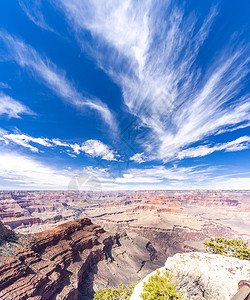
(239, 144)
(12, 108)
(24, 140)
(33, 11)
(55, 79)
(159, 46)
(4, 85)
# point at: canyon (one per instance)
(174, 221)
(70, 244)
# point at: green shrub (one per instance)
(122, 293)
(160, 287)
(234, 248)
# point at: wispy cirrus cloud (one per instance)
(54, 78)
(161, 173)
(239, 144)
(12, 108)
(123, 25)
(33, 11)
(172, 178)
(4, 85)
(159, 45)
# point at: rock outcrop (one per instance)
(55, 263)
(203, 276)
(4, 232)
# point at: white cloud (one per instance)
(4, 85)
(153, 175)
(60, 143)
(96, 148)
(117, 23)
(27, 173)
(76, 148)
(160, 173)
(233, 183)
(33, 11)
(138, 157)
(239, 144)
(174, 178)
(159, 44)
(2, 132)
(24, 172)
(12, 108)
(24, 140)
(53, 78)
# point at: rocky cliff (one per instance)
(203, 276)
(4, 232)
(55, 264)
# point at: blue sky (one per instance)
(124, 95)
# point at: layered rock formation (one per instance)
(203, 276)
(55, 263)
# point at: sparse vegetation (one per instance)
(234, 248)
(160, 287)
(121, 293)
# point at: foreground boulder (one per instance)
(203, 276)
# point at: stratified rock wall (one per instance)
(55, 262)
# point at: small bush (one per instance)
(122, 293)
(234, 248)
(160, 287)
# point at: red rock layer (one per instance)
(55, 262)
